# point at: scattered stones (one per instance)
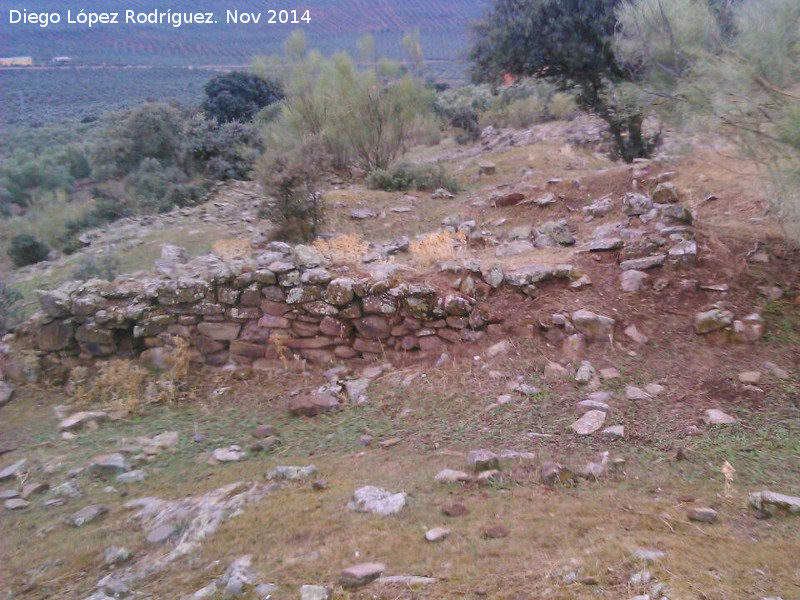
(230, 454)
(632, 280)
(291, 473)
(589, 423)
(593, 326)
(636, 204)
(776, 371)
(715, 416)
(498, 349)
(585, 373)
(315, 592)
(108, 464)
(161, 534)
(312, 405)
(495, 532)
(609, 374)
(554, 473)
(264, 431)
(455, 510)
(712, 320)
(648, 554)
(555, 371)
(617, 432)
(360, 575)
(437, 534)
(482, 460)
(13, 470)
(376, 501)
(750, 377)
(703, 515)
(644, 263)
(6, 392)
(79, 420)
(654, 389)
(87, 515)
(634, 393)
(116, 555)
(452, 476)
(762, 500)
(406, 580)
(131, 476)
(634, 334)
(16, 504)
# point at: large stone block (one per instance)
(220, 331)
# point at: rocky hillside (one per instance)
(572, 378)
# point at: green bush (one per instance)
(289, 177)
(406, 177)
(25, 249)
(239, 96)
(101, 266)
(562, 107)
(9, 307)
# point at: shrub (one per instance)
(101, 266)
(524, 113)
(10, 312)
(467, 121)
(406, 177)
(562, 107)
(25, 249)
(290, 177)
(226, 151)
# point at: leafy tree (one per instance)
(570, 42)
(152, 130)
(238, 96)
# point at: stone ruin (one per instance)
(281, 302)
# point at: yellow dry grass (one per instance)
(231, 249)
(344, 249)
(436, 247)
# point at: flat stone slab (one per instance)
(648, 554)
(78, 420)
(715, 416)
(358, 575)
(291, 473)
(16, 504)
(437, 534)
(161, 534)
(452, 476)
(411, 580)
(13, 469)
(482, 460)
(376, 501)
(589, 423)
(703, 515)
(87, 515)
(315, 592)
(760, 500)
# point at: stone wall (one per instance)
(281, 302)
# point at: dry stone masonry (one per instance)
(281, 302)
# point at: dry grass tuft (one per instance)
(344, 249)
(119, 383)
(232, 248)
(127, 386)
(436, 247)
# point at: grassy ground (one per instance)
(298, 535)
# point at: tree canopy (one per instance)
(238, 96)
(570, 42)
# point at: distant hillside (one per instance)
(336, 24)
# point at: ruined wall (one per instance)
(282, 301)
